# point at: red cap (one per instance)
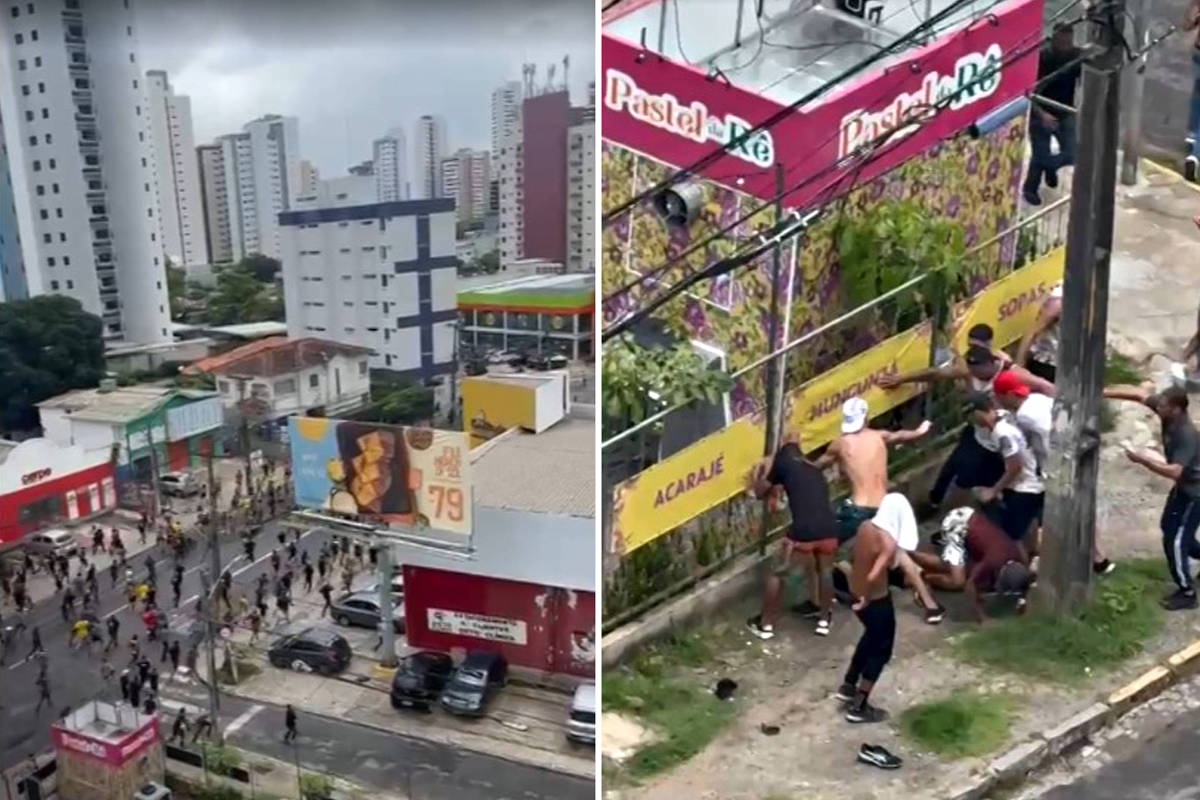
(1009, 382)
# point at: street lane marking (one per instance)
(242, 719)
(175, 705)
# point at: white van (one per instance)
(581, 720)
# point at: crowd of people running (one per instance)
(986, 541)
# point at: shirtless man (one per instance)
(972, 463)
(875, 550)
(861, 455)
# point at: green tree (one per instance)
(48, 345)
(488, 262)
(177, 291)
(263, 268)
(402, 405)
(240, 297)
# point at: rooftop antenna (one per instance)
(566, 67)
(550, 77)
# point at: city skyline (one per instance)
(340, 70)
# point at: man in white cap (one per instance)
(861, 455)
(1038, 350)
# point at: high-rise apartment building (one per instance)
(79, 175)
(181, 221)
(581, 191)
(309, 176)
(378, 275)
(216, 202)
(466, 177)
(263, 174)
(506, 114)
(429, 148)
(390, 156)
(510, 170)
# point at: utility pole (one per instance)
(1135, 82)
(775, 367)
(207, 587)
(1066, 564)
(387, 630)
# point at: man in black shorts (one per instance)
(811, 541)
(1181, 514)
(1016, 499)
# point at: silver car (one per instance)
(362, 609)
(52, 541)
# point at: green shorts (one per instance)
(850, 516)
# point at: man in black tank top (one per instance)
(810, 543)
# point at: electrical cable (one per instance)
(732, 262)
(781, 114)
(674, 260)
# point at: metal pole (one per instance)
(1066, 564)
(774, 387)
(154, 469)
(214, 692)
(1135, 83)
(388, 631)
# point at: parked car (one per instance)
(311, 650)
(362, 609)
(179, 484)
(581, 719)
(473, 683)
(52, 541)
(420, 679)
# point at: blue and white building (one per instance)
(377, 275)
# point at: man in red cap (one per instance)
(1033, 413)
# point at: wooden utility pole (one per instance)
(1065, 577)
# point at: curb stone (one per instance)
(1013, 766)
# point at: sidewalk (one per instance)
(524, 723)
(788, 682)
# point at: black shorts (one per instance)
(1019, 511)
(977, 466)
(1042, 369)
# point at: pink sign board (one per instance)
(676, 114)
(115, 754)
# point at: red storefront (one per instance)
(43, 484)
(544, 628)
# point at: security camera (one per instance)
(679, 205)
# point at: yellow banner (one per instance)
(1011, 304)
(717, 467)
(688, 483)
(817, 405)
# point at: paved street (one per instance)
(1169, 73)
(380, 759)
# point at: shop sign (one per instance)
(37, 475)
(478, 626)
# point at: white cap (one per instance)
(854, 415)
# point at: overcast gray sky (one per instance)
(351, 69)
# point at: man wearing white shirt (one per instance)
(1020, 492)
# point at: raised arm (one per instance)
(1166, 470)
(932, 374)
(759, 484)
(1135, 394)
(1051, 312)
(902, 437)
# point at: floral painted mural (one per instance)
(974, 181)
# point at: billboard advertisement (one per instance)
(406, 477)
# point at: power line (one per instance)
(783, 112)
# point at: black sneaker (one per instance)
(1052, 180)
(868, 713)
(1179, 600)
(808, 609)
(755, 626)
(1190, 165)
(935, 615)
(845, 693)
(1103, 567)
(1031, 198)
(878, 756)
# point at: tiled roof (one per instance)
(273, 356)
(120, 405)
(552, 472)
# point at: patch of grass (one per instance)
(1122, 615)
(963, 724)
(1119, 368)
(686, 717)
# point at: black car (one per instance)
(420, 678)
(473, 683)
(311, 650)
